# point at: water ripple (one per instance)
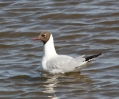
(86, 26)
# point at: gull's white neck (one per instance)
(49, 49)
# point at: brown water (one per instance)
(79, 27)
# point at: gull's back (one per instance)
(64, 63)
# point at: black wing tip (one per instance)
(91, 57)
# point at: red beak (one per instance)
(36, 39)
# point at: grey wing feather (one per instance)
(65, 63)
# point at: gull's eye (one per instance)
(44, 35)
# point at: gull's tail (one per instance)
(89, 58)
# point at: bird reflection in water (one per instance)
(50, 84)
(53, 83)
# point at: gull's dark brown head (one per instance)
(44, 37)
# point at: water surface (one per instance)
(79, 27)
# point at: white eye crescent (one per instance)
(44, 35)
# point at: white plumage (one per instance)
(54, 63)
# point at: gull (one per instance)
(55, 63)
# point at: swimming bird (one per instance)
(55, 63)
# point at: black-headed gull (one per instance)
(54, 63)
